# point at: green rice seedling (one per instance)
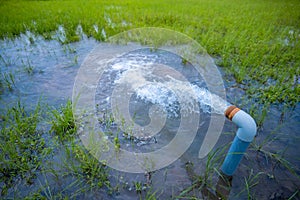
(223, 186)
(273, 136)
(277, 157)
(35, 195)
(28, 66)
(47, 191)
(204, 183)
(1, 87)
(150, 195)
(184, 61)
(185, 193)
(107, 120)
(88, 173)
(68, 49)
(22, 146)
(89, 168)
(127, 129)
(259, 114)
(294, 195)
(29, 69)
(251, 181)
(75, 60)
(138, 186)
(117, 143)
(63, 123)
(80, 163)
(6, 60)
(8, 80)
(213, 163)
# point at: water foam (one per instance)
(166, 91)
(161, 94)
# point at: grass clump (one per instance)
(7, 81)
(79, 162)
(91, 169)
(63, 123)
(22, 146)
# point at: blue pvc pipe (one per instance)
(234, 156)
(244, 136)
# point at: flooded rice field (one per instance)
(37, 71)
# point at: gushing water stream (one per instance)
(155, 79)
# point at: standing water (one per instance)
(37, 70)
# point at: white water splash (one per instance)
(161, 94)
(166, 91)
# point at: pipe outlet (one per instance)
(244, 135)
(247, 126)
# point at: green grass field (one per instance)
(258, 42)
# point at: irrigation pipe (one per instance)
(244, 136)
